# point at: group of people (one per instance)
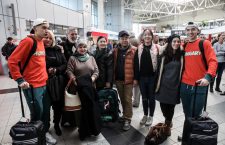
(164, 73)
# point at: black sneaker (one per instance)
(121, 120)
(211, 90)
(179, 138)
(218, 90)
(223, 94)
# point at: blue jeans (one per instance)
(148, 97)
(42, 104)
(187, 97)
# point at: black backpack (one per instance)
(109, 105)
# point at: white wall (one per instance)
(101, 14)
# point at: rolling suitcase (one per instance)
(109, 105)
(200, 131)
(27, 133)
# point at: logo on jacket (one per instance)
(39, 53)
(192, 53)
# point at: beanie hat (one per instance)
(170, 38)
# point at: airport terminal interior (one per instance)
(87, 25)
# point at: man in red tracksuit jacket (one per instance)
(34, 74)
(195, 72)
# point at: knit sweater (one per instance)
(76, 68)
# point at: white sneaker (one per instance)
(149, 121)
(50, 139)
(143, 120)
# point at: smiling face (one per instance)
(147, 37)
(124, 41)
(82, 49)
(102, 43)
(222, 37)
(175, 43)
(48, 40)
(192, 33)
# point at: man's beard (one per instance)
(71, 41)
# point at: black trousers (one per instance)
(57, 111)
(220, 68)
(167, 110)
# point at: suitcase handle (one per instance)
(21, 100)
(195, 92)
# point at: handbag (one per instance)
(156, 135)
(72, 101)
(55, 85)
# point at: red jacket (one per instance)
(35, 72)
(194, 68)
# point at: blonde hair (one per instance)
(53, 37)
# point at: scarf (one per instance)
(82, 58)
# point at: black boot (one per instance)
(168, 128)
(218, 80)
(211, 87)
(218, 89)
(57, 130)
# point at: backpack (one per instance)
(109, 105)
(201, 47)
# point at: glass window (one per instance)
(70, 4)
(29, 25)
(94, 13)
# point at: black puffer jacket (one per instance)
(56, 82)
(68, 47)
(104, 60)
(8, 49)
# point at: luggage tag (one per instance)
(204, 114)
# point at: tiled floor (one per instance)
(112, 134)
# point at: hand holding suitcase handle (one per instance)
(197, 83)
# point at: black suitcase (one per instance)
(27, 133)
(109, 105)
(201, 130)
